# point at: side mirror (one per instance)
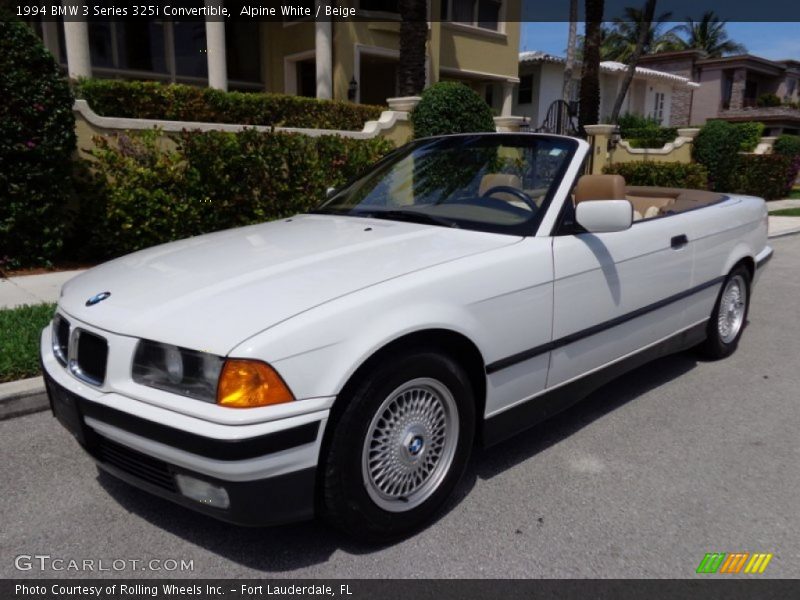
(330, 192)
(604, 216)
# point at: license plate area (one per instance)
(65, 408)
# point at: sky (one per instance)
(770, 40)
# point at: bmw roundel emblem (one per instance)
(97, 298)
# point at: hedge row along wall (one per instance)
(141, 194)
(176, 102)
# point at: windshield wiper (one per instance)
(412, 216)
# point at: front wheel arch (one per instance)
(446, 341)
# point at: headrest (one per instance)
(600, 187)
(491, 180)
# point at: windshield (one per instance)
(498, 183)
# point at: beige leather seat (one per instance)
(600, 187)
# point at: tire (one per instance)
(399, 447)
(729, 316)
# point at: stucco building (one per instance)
(734, 88)
(475, 42)
(651, 93)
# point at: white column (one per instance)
(215, 49)
(508, 99)
(76, 38)
(324, 58)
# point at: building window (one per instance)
(791, 86)
(658, 108)
(525, 91)
(389, 6)
(128, 45)
(478, 13)
(242, 45)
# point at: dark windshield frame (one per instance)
(526, 228)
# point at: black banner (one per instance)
(385, 10)
(398, 589)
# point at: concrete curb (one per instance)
(22, 397)
(784, 233)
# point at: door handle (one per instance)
(679, 241)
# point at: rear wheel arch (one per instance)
(749, 263)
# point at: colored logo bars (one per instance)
(734, 562)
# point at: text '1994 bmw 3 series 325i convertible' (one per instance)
(345, 362)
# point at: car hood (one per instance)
(213, 291)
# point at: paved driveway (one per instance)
(642, 479)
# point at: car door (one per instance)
(616, 293)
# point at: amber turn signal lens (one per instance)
(250, 383)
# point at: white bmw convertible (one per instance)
(344, 362)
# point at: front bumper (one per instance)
(268, 470)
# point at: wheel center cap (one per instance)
(415, 445)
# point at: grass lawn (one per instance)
(795, 193)
(19, 340)
(786, 212)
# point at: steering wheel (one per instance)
(517, 193)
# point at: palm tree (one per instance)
(590, 71)
(708, 35)
(623, 36)
(572, 41)
(645, 33)
(413, 37)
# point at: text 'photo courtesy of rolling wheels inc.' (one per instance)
(357, 299)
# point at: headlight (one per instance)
(177, 370)
(235, 383)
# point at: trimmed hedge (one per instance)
(176, 102)
(749, 134)
(451, 107)
(37, 139)
(787, 145)
(662, 174)
(769, 176)
(210, 181)
(717, 148)
(645, 132)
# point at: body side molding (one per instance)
(508, 423)
(509, 361)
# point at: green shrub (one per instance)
(787, 145)
(212, 180)
(153, 100)
(450, 107)
(768, 100)
(37, 139)
(717, 147)
(749, 134)
(645, 132)
(769, 176)
(662, 174)
(651, 138)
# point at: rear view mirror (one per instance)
(604, 216)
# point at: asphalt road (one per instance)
(642, 479)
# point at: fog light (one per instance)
(202, 491)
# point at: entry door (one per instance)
(607, 292)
